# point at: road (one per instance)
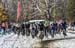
(14, 41)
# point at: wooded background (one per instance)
(40, 9)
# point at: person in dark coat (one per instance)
(56, 27)
(41, 25)
(23, 29)
(52, 28)
(64, 26)
(27, 29)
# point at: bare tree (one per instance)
(36, 9)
